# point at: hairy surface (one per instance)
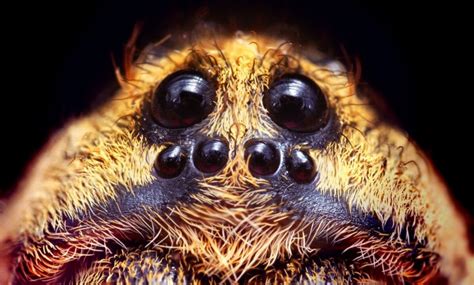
(58, 227)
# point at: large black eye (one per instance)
(182, 99)
(296, 103)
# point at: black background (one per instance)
(57, 59)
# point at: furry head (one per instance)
(94, 208)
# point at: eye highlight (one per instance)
(182, 99)
(295, 102)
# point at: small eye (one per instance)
(263, 158)
(300, 166)
(296, 102)
(183, 99)
(211, 156)
(170, 162)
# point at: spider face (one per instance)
(238, 160)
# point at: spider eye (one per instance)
(170, 162)
(300, 166)
(295, 102)
(182, 99)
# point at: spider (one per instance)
(233, 159)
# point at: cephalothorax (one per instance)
(234, 159)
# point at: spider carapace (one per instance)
(233, 159)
